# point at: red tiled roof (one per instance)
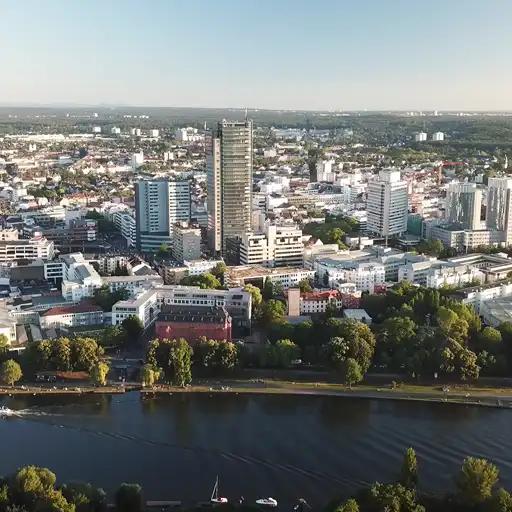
(66, 310)
(329, 294)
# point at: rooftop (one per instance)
(68, 310)
(196, 314)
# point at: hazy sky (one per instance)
(310, 54)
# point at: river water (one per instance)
(259, 445)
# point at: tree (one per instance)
(204, 281)
(149, 375)
(349, 506)
(34, 488)
(4, 343)
(268, 289)
(501, 501)
(163, 251)
(286, 353)
(85, 354)
(61, 354)
(476, 481)
(113, 336)
(132, 327)
(256, 296)
(216, 355)
(129, 498)
(99, 373)
(352, 339)
(305, 286)
(226, 355)
(85, 497)
(351, 372)
(180, 359)
(393, 498)
(490, 338)
(10, 372)
(409, 472)
(105, 299)
(219, 270)
(272, 311)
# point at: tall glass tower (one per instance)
(229, 165)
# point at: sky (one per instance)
(275, 54)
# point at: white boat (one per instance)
(216, 499)
(5, 412)
(267, 502)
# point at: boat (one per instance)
(267, 502)
(216, 499)
(5, 412)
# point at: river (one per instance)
(259, 445)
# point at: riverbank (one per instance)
(469, 395)
(64, 390)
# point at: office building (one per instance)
(186, 242)
(158, 205)
(278, 246)
(229, 157)
(464, 205)
(37, 247)
(387, 204)
(499, 207)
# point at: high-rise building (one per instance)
(464, 205)
(387, 204)
(438, 136)
(229, 156)
(186, 243)
(158, 205)
(420, 137)
(498, 214)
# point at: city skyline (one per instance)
(289, 55)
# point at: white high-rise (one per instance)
(158, 205)
(464, 205)
(387, 204)
(229, 157)
(498, 214)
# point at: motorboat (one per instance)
(216, 499)
(5, 412)
(267, 502)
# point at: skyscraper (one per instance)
(158, 205)
(498, 214)
(387, 204)
(229, 164)
(464, 204)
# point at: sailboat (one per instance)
(216, 499)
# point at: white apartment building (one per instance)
(365, 275)
(144, 306)
(438, 136)
(478, 296)
(158, 205)
(37, 247)
(188, 134)
(126, 224)
(133, 284)
(387, 204)
(137, 160)
(420, 137)
(279, 246)
(317, 302)
(79, 278)
(71, 316)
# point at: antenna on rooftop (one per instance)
(246, 113)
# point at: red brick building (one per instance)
(193, 322)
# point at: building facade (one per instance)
(387, 204)
(158, 205)
(229, 160)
